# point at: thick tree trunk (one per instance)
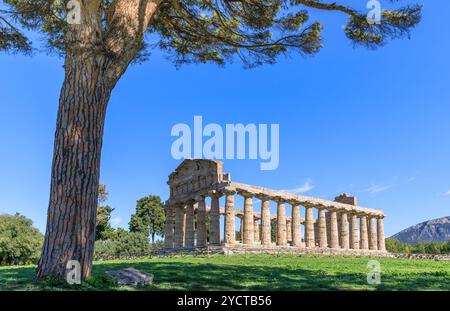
(95, 60)
(70, 231)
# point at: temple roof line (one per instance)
(295, 198)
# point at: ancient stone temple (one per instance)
(313, 225)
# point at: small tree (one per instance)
(20, 242)
(149, 217)
(396, 246)
(122, 244)
(103, 228)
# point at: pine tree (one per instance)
(149, 217)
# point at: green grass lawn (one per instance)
(252, 272)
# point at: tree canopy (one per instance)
(103, 228)
(200, 31)
(149, 217)
(20, 242)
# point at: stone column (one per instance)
(180, 221)
(265, 222)
(230, 226)
(344, 231)
(338, 215)
(256, 230)
(372, 234)
(296, 232)
(316, 233)
(201, 222)
(322, 223)
(190, 223)
(328, 218)
(309, 227)
(364, 243)
(334, 235)
(241, 229)
(381, 241)
(249, 233)
(354, 240)
(168, 228)
(281, 224)
(289, 230)
(214, 228)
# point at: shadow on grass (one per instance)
(184, 276)
(205, 276)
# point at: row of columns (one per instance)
(333, 229)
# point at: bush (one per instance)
(20, 242)
(122, 244)
(395, 246)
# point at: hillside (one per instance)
(436, 230)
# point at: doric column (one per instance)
(288, 230)
(281, 224)
(241, 229)
(322, 223)
(354, 240)
(334, 232)
(214, 227)
(328, 218)
(249, 233)
(296, 233)
(201, 222)
(344, 231)
(309, 227)
(180, 221)
(256, 230)
(372, 234)
(338, 215)
(363, 240)
(265, 222)
(316, 233)
(168, 228)
(230, 226)
(381, 241)
(189, 239)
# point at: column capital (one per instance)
(245, 194)
(181, 205)
(293, 202)
(323, 208)
(215, 194)
(263, 197)
(229, 191)
(279, 200)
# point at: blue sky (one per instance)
(371, 123)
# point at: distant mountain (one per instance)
(436, 230)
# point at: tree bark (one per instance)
(95, 61)
(70, 232)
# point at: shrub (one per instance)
(435, 248)
(122, 244)
(395, 246)
(20, 242)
